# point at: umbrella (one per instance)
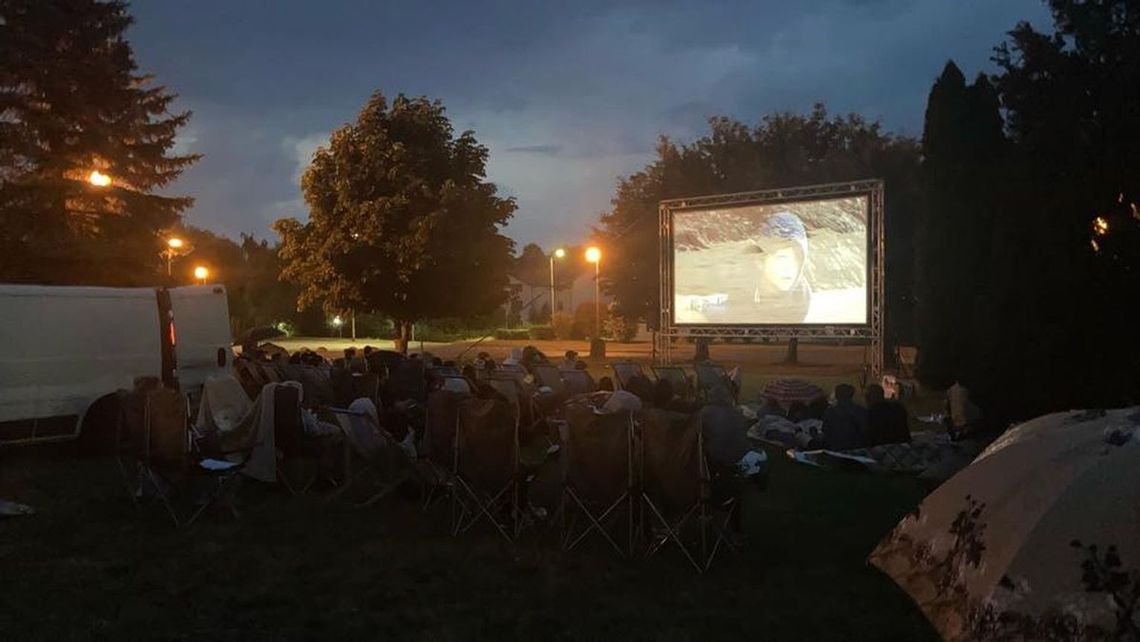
(785, 391)
(1038, 538)
(258, 334)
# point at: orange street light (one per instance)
(98, 179)
(173, 245)
(201, 273)
(594, 255)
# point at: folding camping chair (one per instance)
(366, 386)
(677, 377)
(486, 467)
(599, 477)
(713, 380)
(153, 435)
(624, 371)
(547, 375)
(249, 376)
(375, 450)
(578, 382)
(677, 488)
(291, 440)
(436, 449)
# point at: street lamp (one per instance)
(173, 245)
(559, 253)
(594, 255)
(201, 273)
(98, 179)
(337, 323)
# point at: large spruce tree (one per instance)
(71, 103)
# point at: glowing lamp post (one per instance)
(201, 273)
(557, 254)
(98, 179)
(173, 247)
(594, 255)
(337, 323)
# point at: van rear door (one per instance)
(201, 334)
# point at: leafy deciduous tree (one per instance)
(401, 219)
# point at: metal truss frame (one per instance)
(872, 330)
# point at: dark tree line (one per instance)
(1029, 257)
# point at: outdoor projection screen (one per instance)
(782, 263)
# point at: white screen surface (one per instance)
(772, 264)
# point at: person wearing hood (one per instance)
(781, 251)
(780, 291)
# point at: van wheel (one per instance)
(98, 426)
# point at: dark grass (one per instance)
(91, 566)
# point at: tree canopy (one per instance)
(1040, 216)
(401, 219)
(72, 103)
(783, 150)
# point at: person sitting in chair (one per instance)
(886, 420)
(845, 423)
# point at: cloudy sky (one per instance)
(567, 96)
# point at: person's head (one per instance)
(844, 392)
(368, 350)
(781, 252)
(873, 393)
(571, 355)
(662, 392)
(349, 353)
(816, 408)
(605, 383)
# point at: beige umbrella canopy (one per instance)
(1038, 538)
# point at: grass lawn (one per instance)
(89, 565)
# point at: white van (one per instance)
(63, 349)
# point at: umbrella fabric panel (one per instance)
(1048, 581)
(951, 553)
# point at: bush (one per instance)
(513, 334)
(619, 328)
(563, 326)
(541, 332)
(583, 321)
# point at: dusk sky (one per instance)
(567, 96)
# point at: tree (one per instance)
(72, 103)
(963, 153)
(401, 219)
(783, 150)
(1045, 328)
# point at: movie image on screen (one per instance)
(772, 264)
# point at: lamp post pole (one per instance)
(597, 299)
(551, 290)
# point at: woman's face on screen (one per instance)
(781, 268)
